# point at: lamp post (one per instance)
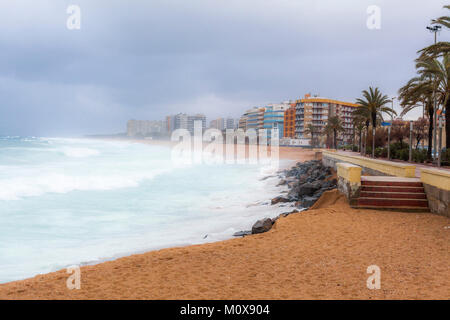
(389, 130)
(435, 30)
(410, 139)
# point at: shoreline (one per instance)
(321, 253)
(119, 255)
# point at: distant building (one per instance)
(289, 122)
(218, 123)
(315, 111)
(254, 118)
(274, 118)
(145, 128)
(231, 123)
(192, 119)
(242, 124)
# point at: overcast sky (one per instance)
(146, 59)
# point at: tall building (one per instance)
(231, 123)
(274, 118)
(192, 119)
(289, 122)
(242, 124)
(254, 118)
(218, 123)
(315, 111)
(180, 121)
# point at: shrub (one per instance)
(378, 152)
(419, 155)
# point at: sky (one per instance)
(144, 60)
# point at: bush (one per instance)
(403, 154)
(378, 152)
(369, 150)
(419, 155)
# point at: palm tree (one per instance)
(310, 129)
(419, 90)
(438, 69)
(358, 124)
(364, 115)
(374, 102)
(334, 125)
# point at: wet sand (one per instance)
(322, 253)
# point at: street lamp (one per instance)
(435, 30)
(389, 130)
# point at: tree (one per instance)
(374, 102)
(310, 129)
(419, 130)
(334, 125)
(358, 125)
(419, 90)
(399, 131)
(438, 70)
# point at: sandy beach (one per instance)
(321, 253)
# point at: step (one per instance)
(392, 189)
(393, 208)
(391, 183)
(423, 203)
(388, 195)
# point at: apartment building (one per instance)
(274, 118)
(192, 119)
(184, 121)
(144, 128)
(289, 122)
(231, 123)
(315, 111)
(254, 118)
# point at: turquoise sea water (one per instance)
(79, 201)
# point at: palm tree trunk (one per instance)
(334, 139)
(430, 133)
(373, 141)
(360, 141)
(447, 124)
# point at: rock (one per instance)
(308, 189)
(279, 199)
(281, 183)
(309, 201)
(242, 233)
(262, 226)
(293, 194)
(265, 178)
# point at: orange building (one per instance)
(289, 122)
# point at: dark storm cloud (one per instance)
(136, 59)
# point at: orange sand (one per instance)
(322, 253)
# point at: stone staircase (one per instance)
(393, 193)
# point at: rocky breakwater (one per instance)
(306, 182)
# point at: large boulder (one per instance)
(262, 226)
(308, 188)
(279, 199)
(309, 201)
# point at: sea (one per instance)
(77, 201)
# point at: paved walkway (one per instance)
(419, 166)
